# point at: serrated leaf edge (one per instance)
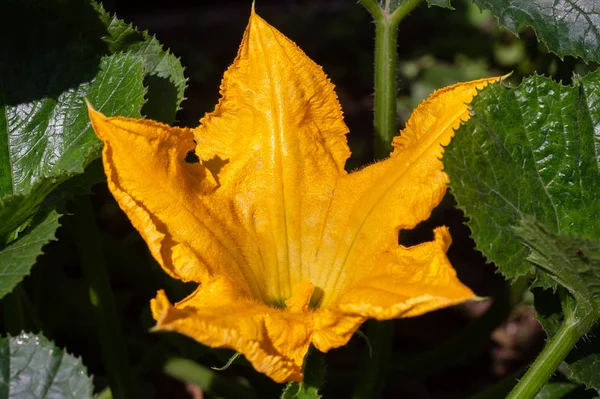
(41, 250)
(63, 350)
(521, 26)
(575, 82)
(99, 7)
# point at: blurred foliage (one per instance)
(437, 47)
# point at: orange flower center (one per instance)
(300, 299)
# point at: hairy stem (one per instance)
(555, 351)
(376, 362)
(386, 25)
(386, 29)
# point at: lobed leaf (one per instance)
(568, 27)
(71, 50)
(50, 139)
(528, 151)
(45, 135)
(163, 72)
(526, 170)
(32, 367)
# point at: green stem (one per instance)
(112, 344)
(555, 351)
(374, 8)
(385, 86)
(375, 368)
(403, 10)
(381, 334)
(386, 29)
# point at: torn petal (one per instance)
(407, 282)
(370, 206)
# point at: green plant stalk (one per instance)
(112, 344)
(386, 32)
(374, 368)
(386, 29)
(555, 351)
(385, 86)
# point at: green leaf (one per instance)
(531, 151)
(314, 378)
(391, 5)
(556, 390)
(568, 27)
(51, 139)
(70, 49)
(526, 170)
(581, 364)
(573, 262)
(440, 3)
(163, 72)
(17, 257)
(566, 259)
(32, 367)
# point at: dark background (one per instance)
(452, 353)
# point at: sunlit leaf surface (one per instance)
(526, 170)
(568, 27)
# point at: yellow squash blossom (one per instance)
(287, 248)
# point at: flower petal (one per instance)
(165, 199)
(333, 328)
(371, 205)
(279, 138)
(405, 282)
(273, 340)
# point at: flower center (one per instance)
(300, 299)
